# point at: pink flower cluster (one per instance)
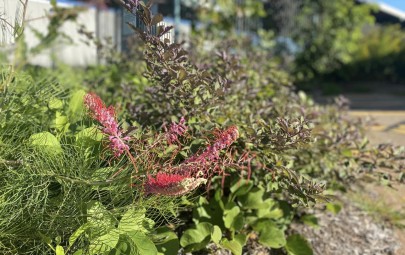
(185, 177)
(176, 130)
(171, 184)
(107, 118)
(211, 153)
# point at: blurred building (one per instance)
(73, 48)
(108, 22)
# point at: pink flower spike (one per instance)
(107, 118)
(176, 130)
(199, 165)
(171, 184)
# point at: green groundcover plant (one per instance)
(191, 154)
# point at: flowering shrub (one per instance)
(127, 182)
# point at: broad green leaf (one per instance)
(241, 238)
(198, 238)
(298, 245)
(197, 100)
(92, 133)
(143, 245)
(211, 212)
(167, 241)
(216, 234)
(99, 216)
(59, 250)
(271, 210)
(46, 141)
(133, 220)
(269, 234)
(123, 247)
(104, 243)
(310, 220)
(89, 137)
(230, 215)
(234, 246)
(253, 199)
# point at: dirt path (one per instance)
(386, 126)
(372, 220)
(383, 203)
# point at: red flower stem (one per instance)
(132, 159)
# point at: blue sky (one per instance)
(399, 4)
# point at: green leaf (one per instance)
(61, 122)
(216, 234)
(76, 105)
(143, 245)
(59, 250)
(241, 187)
(230, 215)
(310, 220)
(269, 234)
(89, 137)
(78, 252)
(47, 141)
(78, 232)
(123, 247)
(333, 207)
(241, 238)
(253, 199)
(198, 238)
(169, 242)
(234, 246)
(104, 243)
(55, 104)
(271, 210)
(99, 216)
(298, 245)
(133, 220)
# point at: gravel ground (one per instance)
(350, 232)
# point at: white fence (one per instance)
(74, 50)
